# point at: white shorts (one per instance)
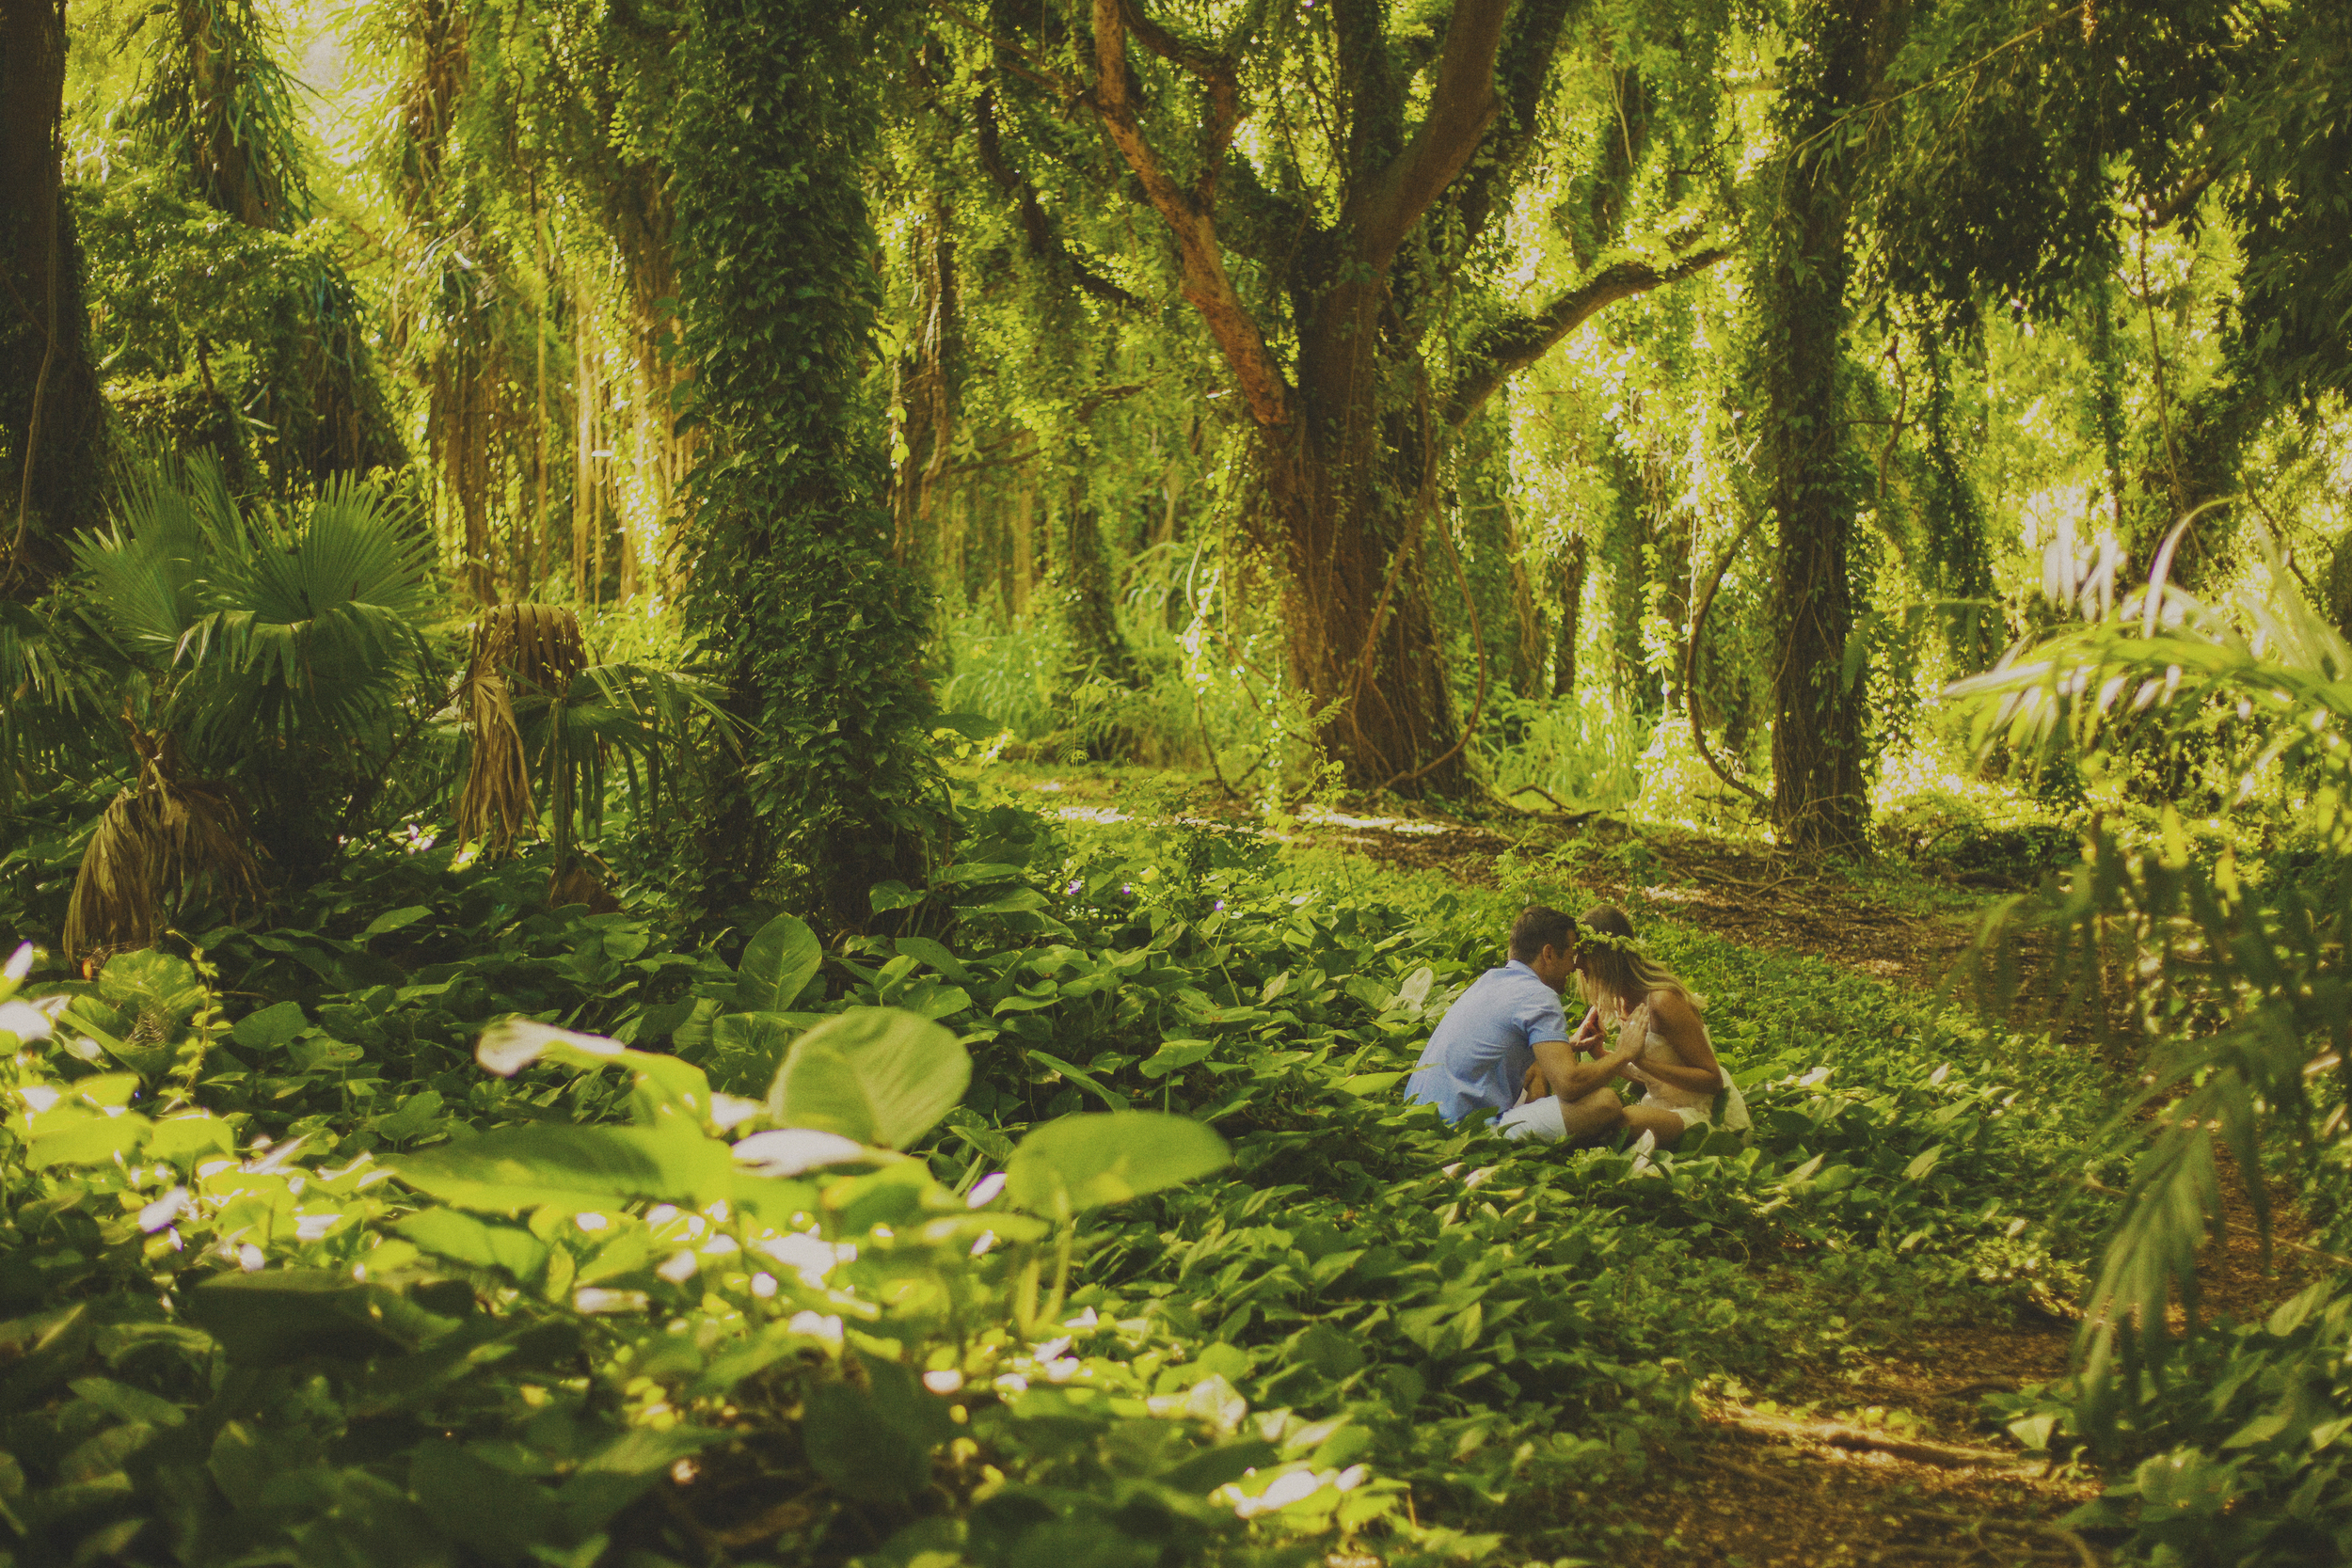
(1539, 1120)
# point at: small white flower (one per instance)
(1352, 1477)
(163, 1210)
(19, 963)
(1294, 1487)
(590, 1222)
(979, 1248)
(945, 1381)
(311, 1227)
(680, 1268)
(591, 1299)
(24, 1021)
(763, 1285)
(1083, 1321)
(792, 1151)
(40, 1097)
(817, 1325)
(1012, 1383)
(249, 1258)
(984, 1191)
(732, 1110)
(811, 1257)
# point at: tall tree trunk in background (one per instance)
(926, 379)
(1568, 583)
(817, 634)
(1814, 479)
(51, 420)
(1088, 599)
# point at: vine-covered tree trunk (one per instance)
(1813, 479)
(51, 420)
(794, 594)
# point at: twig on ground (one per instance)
(1943, 1455)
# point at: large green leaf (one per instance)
(468, 1240)
(579, 1168)
(292, 1314)
(780, 960)
(881, 1075)
(875, 1443)
(1084, 1162)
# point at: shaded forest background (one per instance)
(1572, 403)
(668, 676)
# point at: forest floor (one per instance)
(1882, 1459)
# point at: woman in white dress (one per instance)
(1662, 1044)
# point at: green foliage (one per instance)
(2239, 991)
(600, 1260)
(807, 622)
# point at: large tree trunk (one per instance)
(1814, 479)
(52, 421)
(1362, 637)
(816, 631)
(1569, 579)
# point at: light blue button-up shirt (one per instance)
(1481, 1050)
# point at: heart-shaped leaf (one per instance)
(881, 1075)
(1084, 1162)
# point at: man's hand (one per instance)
(1535, 1088)
(1572, 1079)
(1589, 1033)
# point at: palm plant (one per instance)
(546, 724)
(2236, 990)
(253, 660)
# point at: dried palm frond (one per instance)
(163, 839)
(537, 648)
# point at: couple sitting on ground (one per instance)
(1505, 1045)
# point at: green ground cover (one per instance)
(292, 1276)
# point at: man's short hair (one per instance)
(1539, 927)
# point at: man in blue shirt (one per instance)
(1483, 1048)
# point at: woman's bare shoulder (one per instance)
(1672, 1006)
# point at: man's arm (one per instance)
(1572, 1079)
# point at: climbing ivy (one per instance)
(794, 596)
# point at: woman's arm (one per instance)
(1678, 1023)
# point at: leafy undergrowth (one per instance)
(315, 1255)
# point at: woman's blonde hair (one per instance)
(1617, 969)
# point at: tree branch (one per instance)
(1207, 285)
(1512, 346)
(1045, 243)
(1461, 106)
